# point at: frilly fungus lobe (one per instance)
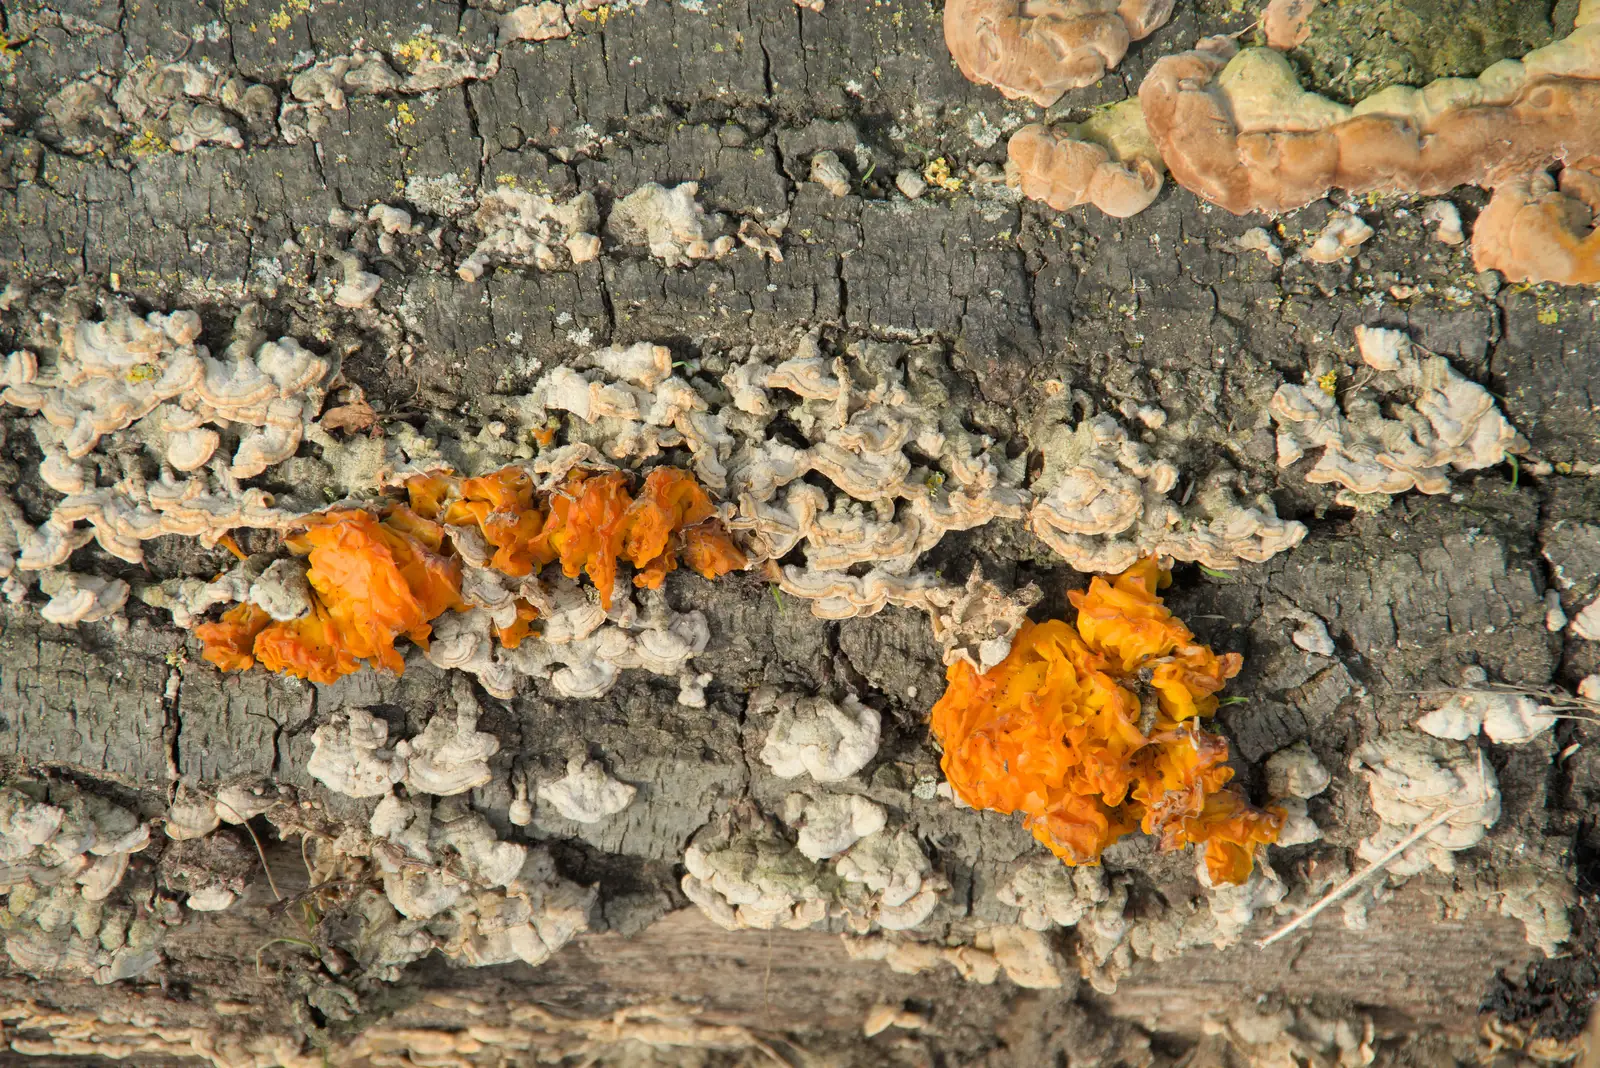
(376, 577)
(1093, 731)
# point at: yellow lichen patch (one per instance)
(1091, 732)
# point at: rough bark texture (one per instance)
(1160, 309)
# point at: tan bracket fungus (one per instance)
(1108, 160)
(1039, 49)
(1236, 128)
(1536, 230)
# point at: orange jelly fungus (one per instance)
(376, 577)
(1092, 732)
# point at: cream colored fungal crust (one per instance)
(582, 651)
(178, 106)
(1103, 502)
(117, 391)
(76, 598)
(670, 224)
(1109, 161)
(756, 878)
(874, 468)
(1038, 51)
(448, 882)
(532, 229)
(1450, 422)
(815, 736)
(1236, 128)
(62, 855)
(831, 823)
(430, 63)
(1505, 718)
(1413, 778)
(586, 793)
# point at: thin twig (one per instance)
(1361, 876)
(259, 851)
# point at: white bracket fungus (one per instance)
(1050, 894)
(520, 227)
(888, 882)
(126, 385)
(76, 598)
(1450, 422)
(829, 172)
(582, 651)
(1339, 239)
(1412, 779)
(1507, 718)
(754, 880)
(543, 21)
(815, 736)
(450, 756)
(60, 861)
(586, 793)
(191, 815)
(1296, 772)
(351, 759)
(830, 824)
(1103, 502)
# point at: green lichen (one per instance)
(1358, 47)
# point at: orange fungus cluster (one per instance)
(1094, 731)
(376, 577)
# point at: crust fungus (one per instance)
(1295, 775)
(1039, 51)
(1535, 230)
(476, 899)
(1056, 732)
(530, 228)
(586, 793)
(1450, 422)
(670, 223)
(815, 736)
(62, 855)
(1414, 779)
(1339, 239)
(1108, 160)
(887, 882)
(1236, 128)
(828, 171)
(434, 63)
(535, 22)
(124, 387)
(1050, 895)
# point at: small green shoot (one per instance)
(1213, 572)
(871, 167)
(777, 595)
(1516, 469)
(1233, 701)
